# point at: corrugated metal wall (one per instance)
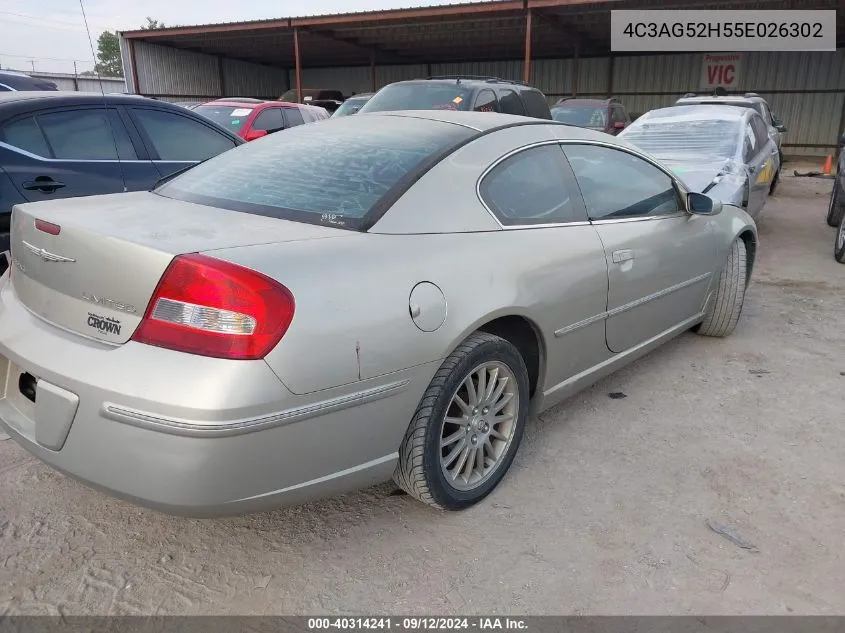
(245, 79)
(173, 73)
(807, 90)
(66, 82)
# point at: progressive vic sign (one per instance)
(720, 70)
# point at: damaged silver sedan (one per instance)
(724, 152)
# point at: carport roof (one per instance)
(457, 32)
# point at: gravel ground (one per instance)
(605, 511)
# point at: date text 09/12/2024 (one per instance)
(417, 624)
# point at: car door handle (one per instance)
(622, 256)
(43, 183)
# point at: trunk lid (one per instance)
(97, 275)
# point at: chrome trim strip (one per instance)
(657, 295)
(628, 306)
(191, 428)
(47, 159)
(643, 218)
(577, 326)
(620, 356)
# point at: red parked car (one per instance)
(253, 118)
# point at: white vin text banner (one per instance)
(713, 31)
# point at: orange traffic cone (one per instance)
(828, 165)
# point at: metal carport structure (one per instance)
(562, 46)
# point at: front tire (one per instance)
(725, 306)
(836, 206)
(468, 426)
(839, 244)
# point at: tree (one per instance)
(108, 63)
(152, 24)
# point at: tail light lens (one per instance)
(210, 307)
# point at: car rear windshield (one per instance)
(421, 96)
(581, 116)
(704, 140)
(350, 106)
(230, 117)
(335, 172)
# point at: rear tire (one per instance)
(839, 244)
(725, 305)
(477, 422)
(836, 206)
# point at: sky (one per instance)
(50, 35)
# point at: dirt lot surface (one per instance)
(605, 511)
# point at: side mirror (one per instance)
(779, 126)
(619, 125)
(254, 134)
(699, 204)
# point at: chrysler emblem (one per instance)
(46, 256)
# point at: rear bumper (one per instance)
(189, 435)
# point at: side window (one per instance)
(269, 120)
(95, 134)
(485, 101)
(179, 138)
(761, 131)
(617, 114)
(26, 135)
(536, 104)
(510, 103)
(616, 184)
(767, 116)
(750, 146)
(293, 117)
(532, 187)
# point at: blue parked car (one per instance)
(12, 81)
(68, 144)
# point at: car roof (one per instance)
(72, 98)
(727, 98)
(469, 82)
(251, 106)
(583, 102)
(489, 121)
(679, 113)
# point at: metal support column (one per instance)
(373, 68)
(133, 66)
(526, 67)
(298, 63)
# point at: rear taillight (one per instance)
(210, 307)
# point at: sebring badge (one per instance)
(109, 303)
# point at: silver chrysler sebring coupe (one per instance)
(384, 295)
